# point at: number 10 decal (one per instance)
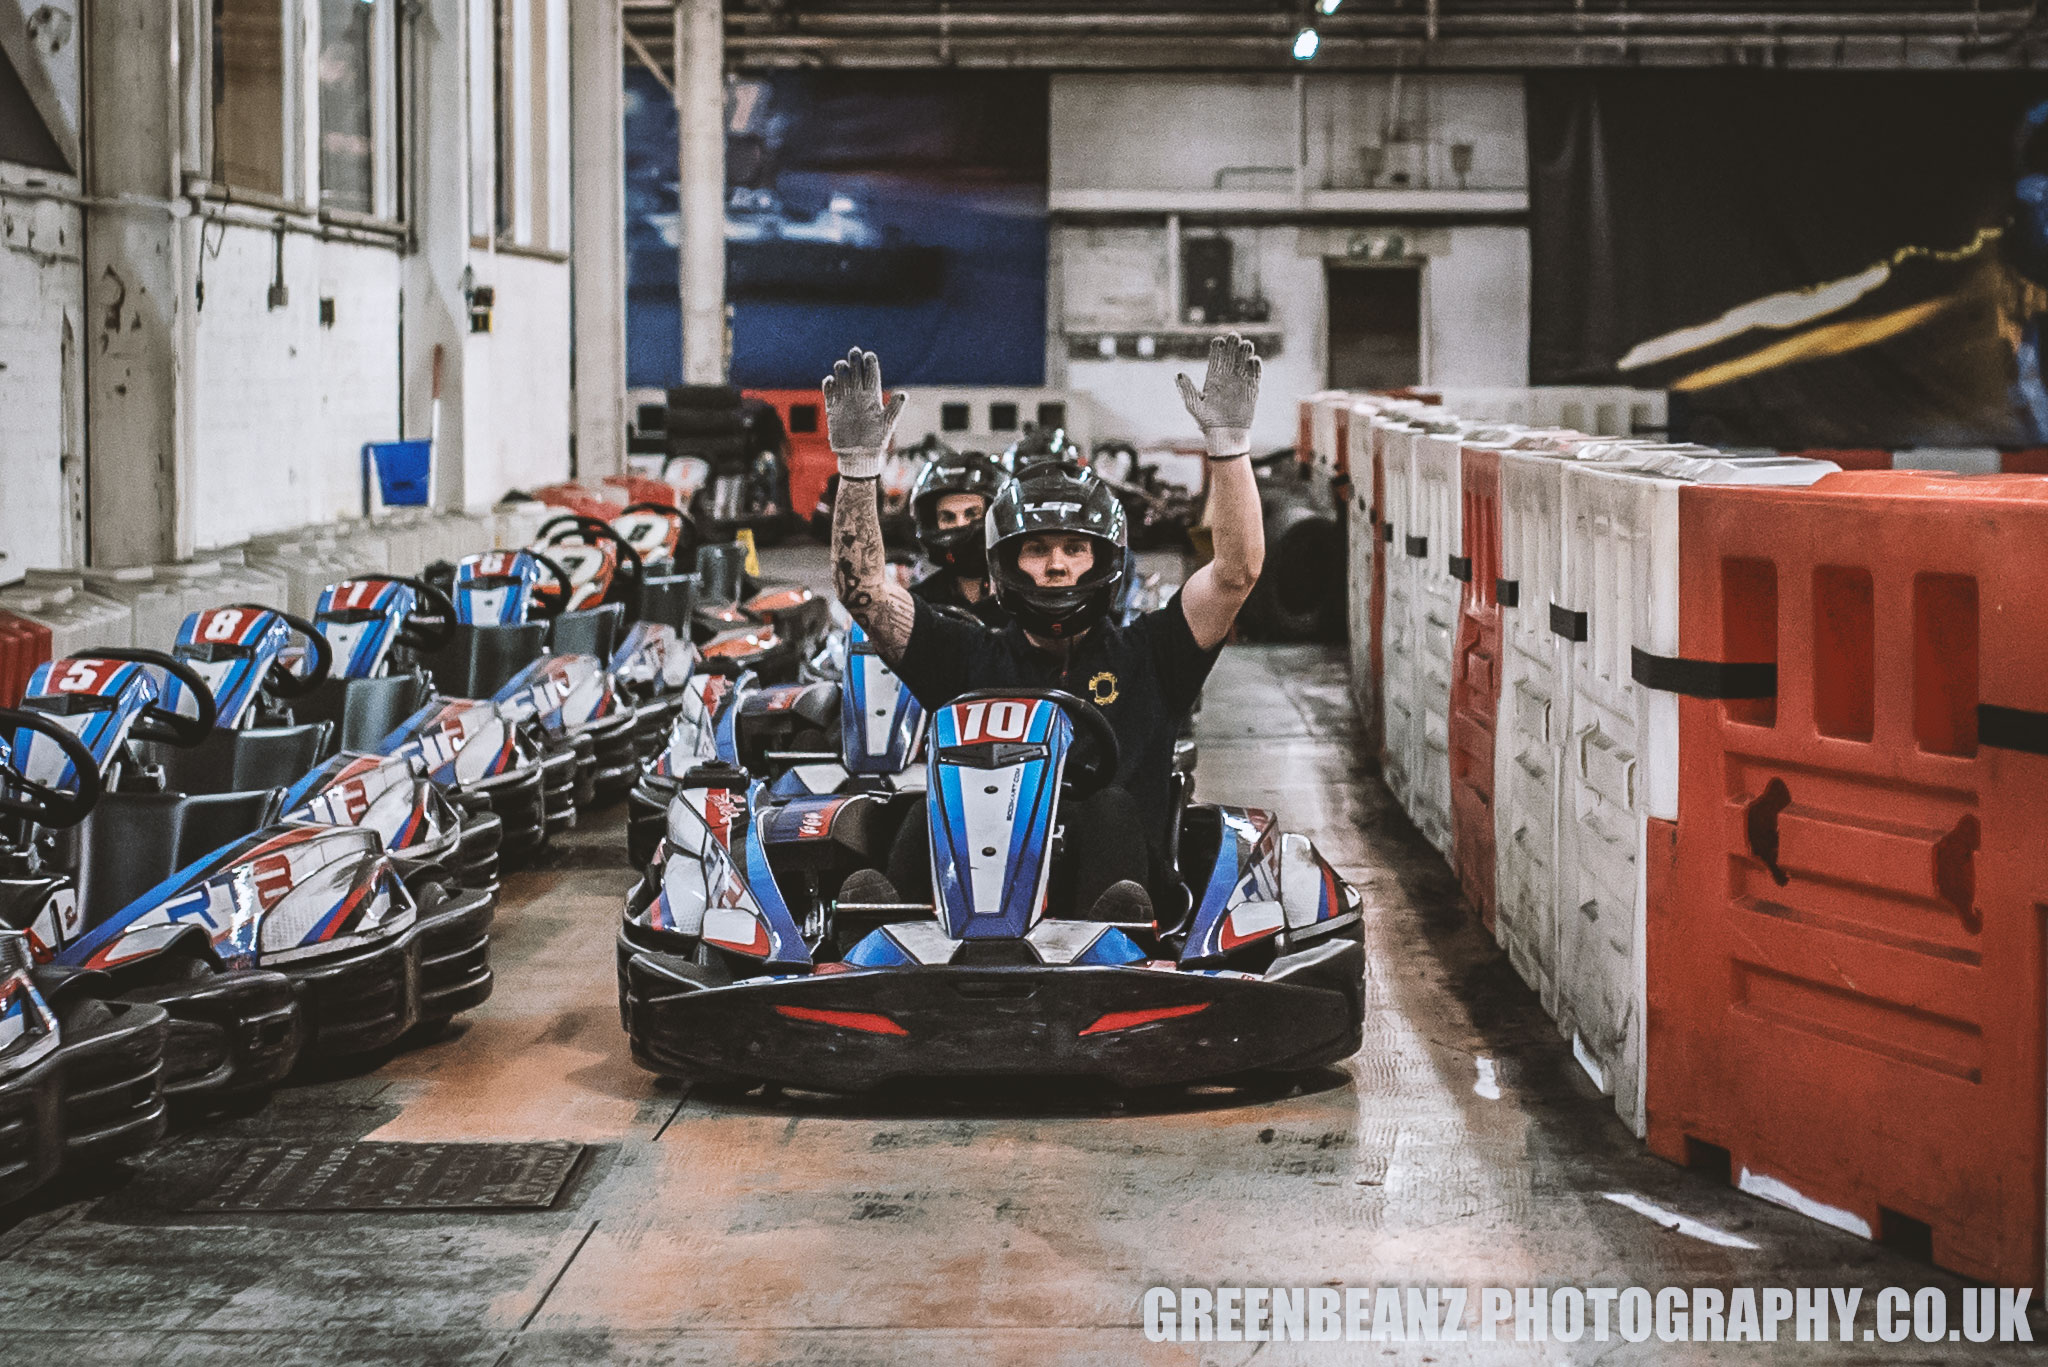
(1005, 720)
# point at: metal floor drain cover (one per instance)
(276, 1177)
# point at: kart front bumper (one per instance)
(1131, 1027)
(646, 818)
(98, 1097)
(367, 999)
(230, 1032)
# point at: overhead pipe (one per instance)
(957, 23)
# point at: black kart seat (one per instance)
(133, 841)
(480, 660)
(593, 631)
(364, 711)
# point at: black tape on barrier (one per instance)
(1461, 568)
(1703, 678)
(1418, 547)
(1387, 532)
(1566, 623)
(1507, 592)
(2012, 728)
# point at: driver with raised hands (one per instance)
(1056, 542)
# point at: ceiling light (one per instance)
(1305, 44)
(1327, 6)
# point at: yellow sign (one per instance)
(1102, 689)
(745, 536)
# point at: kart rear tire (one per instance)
(702, 396)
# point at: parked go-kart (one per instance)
(740, 962)
(261, 937)
(81, 1076)
(377, 628)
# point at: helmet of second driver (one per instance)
(1053, 500)
(961, 547)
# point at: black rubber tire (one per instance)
(682, 396)
(705, 422)
(710, 449)
(1300, 593)
(82, 1016)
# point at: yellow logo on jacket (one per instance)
(1102, 689)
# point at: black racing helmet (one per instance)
(1053, 497)
(1039, 445)
(962, 549)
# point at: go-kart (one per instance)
(742, 959)
(378, 628)
(262, 938)
(81, 1076)
(703, 733)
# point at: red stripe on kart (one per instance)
(1124, 1020)
(867, 1021)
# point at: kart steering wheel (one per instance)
(52, 807)
(426, 632)
(1093, 760)
(630, 564)
(281, 681)
(160, 723)
(543, 606)
(687, 539)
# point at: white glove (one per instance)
(1228, 397)
(857, 421)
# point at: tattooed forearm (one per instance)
(860, 569)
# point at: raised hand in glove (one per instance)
(1228, 397)
(857, 421)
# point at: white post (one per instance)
(597, 230)
(434, 314)
(700, 166)
(138, 296)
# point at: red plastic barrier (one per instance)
(811, 463)
(600, 503)
(2032, 461)
(1340, 452)
(24, 644)
(1846, 979)
(1305, 430)
(642, 489)
(1475, 680)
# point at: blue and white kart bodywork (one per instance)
(704, 732)
(880, 727)
(576, 704)
(737, 961)
(194, 901)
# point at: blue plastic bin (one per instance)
(404, 471)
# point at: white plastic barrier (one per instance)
(241, 582)
(78, 621)
(1361, 549)
(1600, 410)
(515, 523)
(1434, 533)
(1619, 594)
(156, 607)
(1400, 709)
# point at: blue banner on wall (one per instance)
(903, 211)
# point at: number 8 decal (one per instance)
(221, 625)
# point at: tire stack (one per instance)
(707, 422)
(1300, 593)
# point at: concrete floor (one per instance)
(1461, 1147)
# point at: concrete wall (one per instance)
(42, 289)
(283, 404)
(1275, 164)
(149, 380)
(516, 391)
